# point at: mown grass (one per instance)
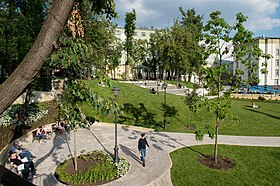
(183, 83)
(146, 109)
(254, 166)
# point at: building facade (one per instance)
(139, 34)
(269, 45)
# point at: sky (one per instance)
(263, 15)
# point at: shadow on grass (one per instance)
(194, 150)
(260, 112)
(139, 116)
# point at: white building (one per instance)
(269, 45)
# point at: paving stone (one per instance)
(101, 137)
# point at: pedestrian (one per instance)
(142, 143)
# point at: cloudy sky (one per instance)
(264, 15)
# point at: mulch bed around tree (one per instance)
(223, 163)
(83, 165)
(190, 127)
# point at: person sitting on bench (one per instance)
(23, 166)
(16, 148)
(40, 134)
(60, 126)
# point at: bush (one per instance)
(261, 98)
(35, 112)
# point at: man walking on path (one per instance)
(142, 142)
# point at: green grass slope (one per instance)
(145, 109)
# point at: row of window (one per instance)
(143, 34)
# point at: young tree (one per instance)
(76, 94)
(218, 34)
(130, 21)
(73, 55)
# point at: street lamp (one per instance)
(164, 86)
(116, 92)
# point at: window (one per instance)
(277, 52)
(143, 34)
(276, 72)
(277, 62)
(118, 32)
(135, 33)
(276, 82)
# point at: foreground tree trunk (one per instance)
(25, 73)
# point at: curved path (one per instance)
(101, 136)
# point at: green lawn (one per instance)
(254, 166)
(145, 109)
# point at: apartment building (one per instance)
(269, 45)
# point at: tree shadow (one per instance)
(139, 116)
(58, 141)
(129, 152)
(194, 150)
(170, 110)
(170, 138)
(157, 147)
(106, 150)
(259, 111)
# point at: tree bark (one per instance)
(88, 71)
(216, 141)
(25, 73)
(75, 151)
(127, 73)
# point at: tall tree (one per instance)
(154, 62)
(25, 73)
(20, 23)
(100, 34)
(139, 55)
(193, 25)
(130, 21)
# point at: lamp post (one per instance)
(164, 120)
(116, 92)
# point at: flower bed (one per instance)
(95, 167)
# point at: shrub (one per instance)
(35, 112)
(261, 98)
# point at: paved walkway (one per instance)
(101, 136)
